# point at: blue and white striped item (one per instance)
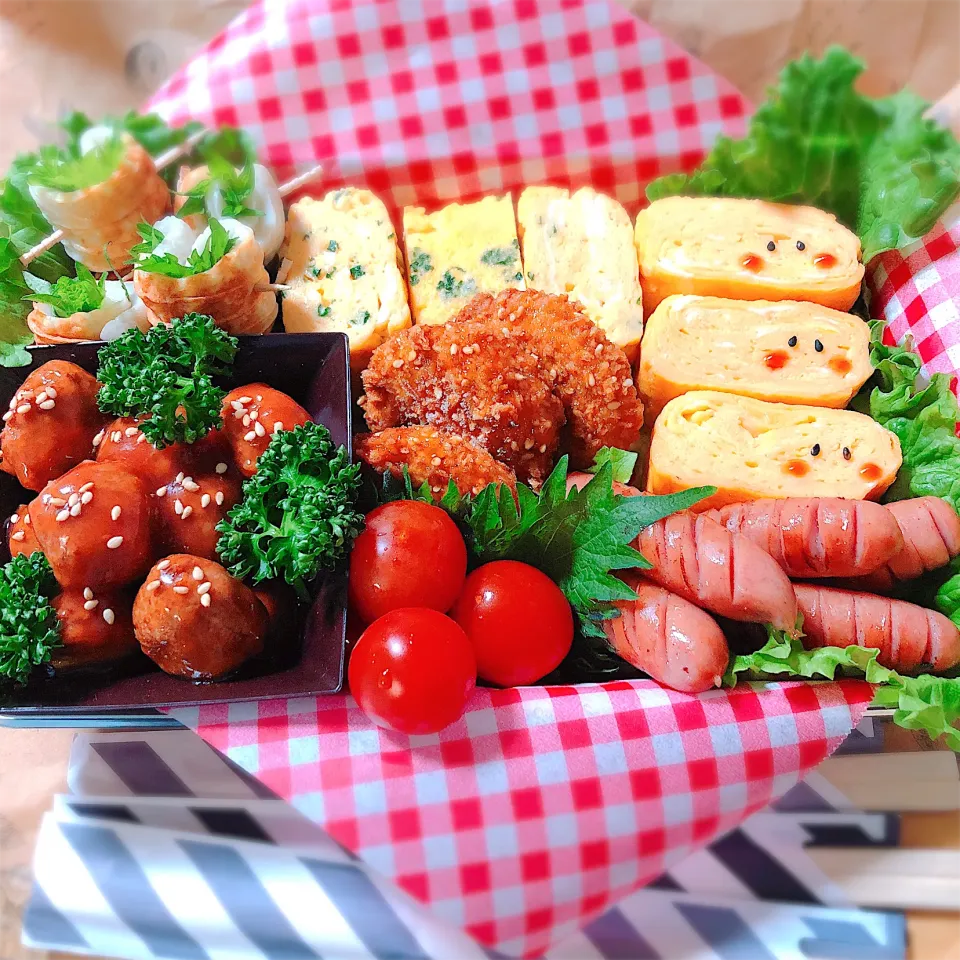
(236, 875)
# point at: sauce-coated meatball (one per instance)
(20, 534)
(94, 525)
(51, 423)
(95, 627)
(251, 414)
(196, 621)
(187, 510)
(122, 442)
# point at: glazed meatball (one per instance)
(196, 621)
(94, 525)
(95, 627)
(251, 415)
(20, 535)
(122, 442)
(51, 423)
(187, 510)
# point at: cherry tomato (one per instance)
(518, 621)
(413, 671)
(410, 554)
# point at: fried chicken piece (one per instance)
(589, 374)
(481, 380)
(434, 456)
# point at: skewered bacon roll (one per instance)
(225, 292)
(99, 223)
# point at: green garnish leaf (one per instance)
(420, 263)
(59, 170)
(235, 186)
(623, 462)
(884, 170)
(29, 630)
(948, 599)
(924, 417)
(218, 245)
(69, 295)
(499, 256)
(167, 376)
(150, 239)
(360, 318)
(14, 332)
(298, 515)
(454, 285)
(921, 703)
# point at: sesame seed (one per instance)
(52, 392)
(528, 444)
(161, 491)
(197, 573)
(205, 600)
(109, 616)
(628, 383)
(254, 414)
(115, 513)
(278, 426)
(163, 564)
(23, 408)
(398, 363)
(237, 414)
(179, 477)
(221, 468)
(219, 498)
(87, 593)
(245, 399)
(613, 405)
(258, 429)
(818, 346)
(815, 450)
(598, 349)
(26, 519)
(250, 436)
(592, 380)
(153, 585)
(41, 396)
(204, 587)
(467, 350)
(91, 605)
(453, 349)
(141, 438)
(86, 497)
(205, 501)
(179, 588)
(190, 484)
(75, 509)
(236, 404)
(436, 461)
(98, 439)
(130, 432)
(114, 542)
(186, 513)
(74, 498)
(259, 398)
(246, 420)
(87, 486)
(7, 415)
(438, 393)
(19, 535)
(63, 515)
(116, 436)
(543, 448)
(14, 518)
(178, 506)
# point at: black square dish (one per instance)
(305, 659)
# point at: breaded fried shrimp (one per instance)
(477, 379)
(434, 456)
(589, 374)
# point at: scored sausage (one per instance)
(931, 539)
(703, 562)
(817, 536)
(673, 641)
(909, 638)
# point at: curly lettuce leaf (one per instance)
(623, 463)
(926, 702)
(883, 169)
(14, 333)
(947, 600)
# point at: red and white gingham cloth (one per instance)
(541, 807)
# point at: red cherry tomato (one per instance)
(518, 621)
(413, 671)
(410, 554)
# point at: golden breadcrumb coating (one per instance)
(434, 456)
(481, 380)
(589, 374)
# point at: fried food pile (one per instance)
(505, 387)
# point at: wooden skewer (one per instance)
(164, 160)
(297, 182)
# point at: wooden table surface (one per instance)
(107, 56)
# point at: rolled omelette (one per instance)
(746, 250)
(788, 351)
(750, 449)
(344, 271)
(581, 244)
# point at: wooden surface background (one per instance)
(100, 57)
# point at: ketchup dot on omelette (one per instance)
(824, 261)
(796, 468)
(870, 472)
(776, 360)
(752, 262)
(840, 365)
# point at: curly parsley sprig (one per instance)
(166, 375)
(29, 630)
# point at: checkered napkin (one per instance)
(542, 806)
